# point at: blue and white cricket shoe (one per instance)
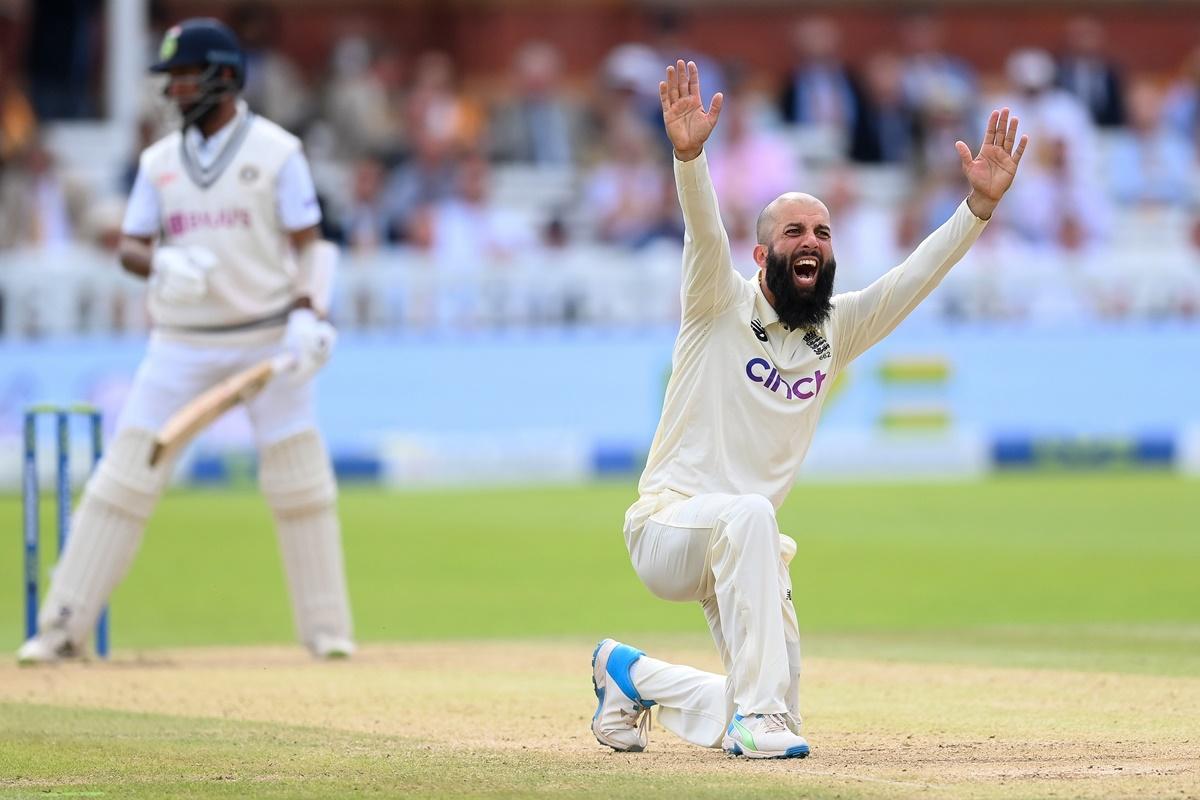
(622, 717)
(763, 736)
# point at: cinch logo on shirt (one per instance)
(183, 221)
(760, 370)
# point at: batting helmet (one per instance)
(208, 43)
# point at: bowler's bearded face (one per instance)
(796, 256)
(802, 285)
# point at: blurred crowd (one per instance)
(422, 167)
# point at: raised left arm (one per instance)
(860, 319)
(992, 170)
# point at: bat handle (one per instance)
(282, 363)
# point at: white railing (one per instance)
(80, 290)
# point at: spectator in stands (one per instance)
(538, 124)
(1061, 208)
(274, 85)
(1150, 162)
(626, 193)
(438, 110)
(429, 177)
(820, 89)
(1086, 71)
(472, 239)
(940, 122)
(672, 39)
(1061, 197)
(18, 123)
(930, 73)
(1031, 73)
(361, 102)
(627, 70)
(38, 206)
(367, 223)
(751, 165)
(885, 128)
(1182, 105)
(868, 242)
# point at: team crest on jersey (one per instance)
(817, 342)
(249, 173)
(170, 44)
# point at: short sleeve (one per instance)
(142, 216)
(295, 195)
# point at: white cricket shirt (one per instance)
(745, 393)
(238, 194)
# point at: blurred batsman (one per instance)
(223, 222)
(754, 360)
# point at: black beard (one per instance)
(800, 309)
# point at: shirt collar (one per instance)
(214, 144)
(763, 309)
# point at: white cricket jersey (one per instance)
(745, 392)
(238, 195)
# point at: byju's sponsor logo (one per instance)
(760, 370)
(759, 330)
(182, 222)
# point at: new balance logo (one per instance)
(758, 329)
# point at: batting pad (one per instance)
(105, 534)
(296, 477)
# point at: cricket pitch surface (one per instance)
(510, 719)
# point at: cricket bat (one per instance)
(201, 412)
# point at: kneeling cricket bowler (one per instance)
(753, 362)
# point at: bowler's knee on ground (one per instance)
(726, 552)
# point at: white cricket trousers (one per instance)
(723, 551)
(174, 373)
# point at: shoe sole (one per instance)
(599, 680)
(799, 751)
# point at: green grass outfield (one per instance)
(924, 608)
(1101, 568)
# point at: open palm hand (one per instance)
(991, 171)
(688, 124)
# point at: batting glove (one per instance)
(180, 274)
(310, 339)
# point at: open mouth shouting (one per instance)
(806, 269)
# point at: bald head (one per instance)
(786, 207)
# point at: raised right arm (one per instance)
(709, 279)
